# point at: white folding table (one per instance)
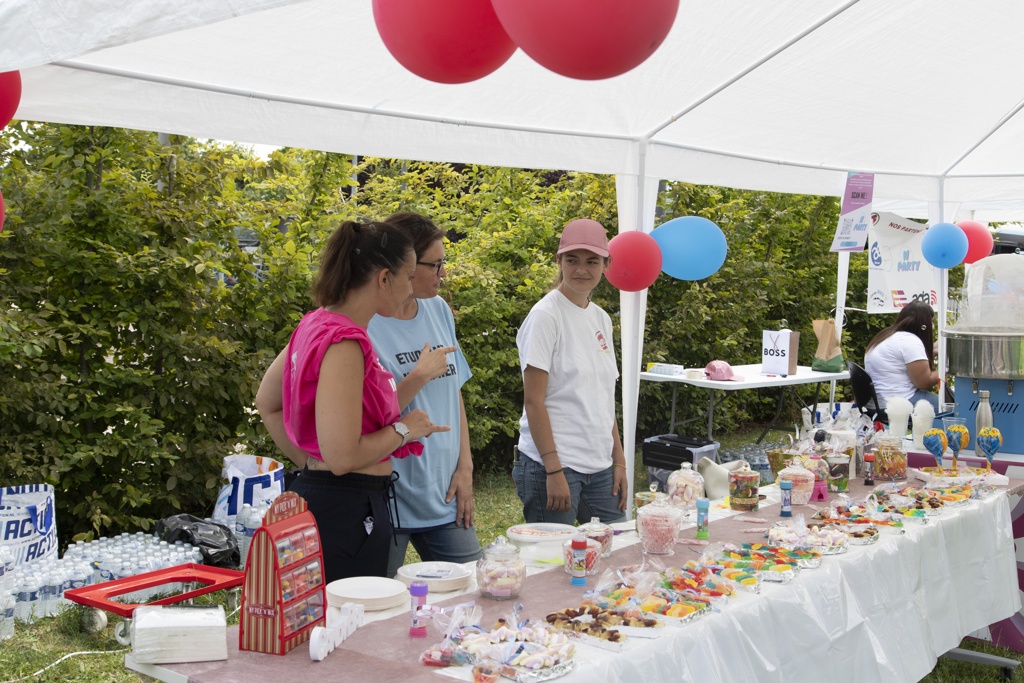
(752, 379)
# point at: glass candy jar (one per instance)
(890, 458)
(597, 530)
(803, 482)
(685, 486)
(500, 572)
(818, 467)
(743, 485)
(658, 525)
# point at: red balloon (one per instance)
(587, 39)
(446, 41)
(10, 95)
(636, 261)
(979, 240)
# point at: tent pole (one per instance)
(936, 214)
(637, 197)
(842, 282)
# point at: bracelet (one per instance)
(616, 464)
(549, 453)
(554, 471)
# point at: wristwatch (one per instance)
(403, 432)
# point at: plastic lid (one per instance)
(785, 484)
(869, 457)
(703, 503)
(595, 525)
(418, 588)
(540, 532)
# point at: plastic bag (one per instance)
(250, 479)
(215, 541)
(29, 522)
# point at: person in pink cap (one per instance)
(571, 466)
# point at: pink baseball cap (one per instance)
(584, 233)
(720, 370)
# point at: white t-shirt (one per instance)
(574, 346)
(887, 365)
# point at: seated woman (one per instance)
(899, 358)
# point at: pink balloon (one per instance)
(979, 240)
(445, 41)
(10, 95)
(588, 39)
(636, 261)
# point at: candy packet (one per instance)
(453, 624)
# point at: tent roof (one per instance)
(786, 95)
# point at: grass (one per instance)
(38, 645)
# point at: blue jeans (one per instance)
(927, 396)
(590, 494)
(448, 543)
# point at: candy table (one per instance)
(880, 612)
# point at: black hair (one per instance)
(915, 318)
(354, 253)
(420, 229)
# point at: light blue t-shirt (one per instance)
(423, 481)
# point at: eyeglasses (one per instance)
(436, 265)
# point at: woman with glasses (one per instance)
(571, 466)
(333, 409)
(417, 344)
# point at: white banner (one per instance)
(855, 213)
(897, 270)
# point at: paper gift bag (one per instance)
(828, 357)
(779, 350)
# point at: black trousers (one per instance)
(353, 518)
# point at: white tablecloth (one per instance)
(883, 612)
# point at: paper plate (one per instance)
(372, 592)
(540, 532)
(440, 576)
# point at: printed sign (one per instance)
(778, 352)
(855, 215)
(897, 270)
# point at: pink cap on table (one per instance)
(584, 233)
(720, 370)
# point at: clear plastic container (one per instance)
(658, 525)
(685, 486)
(890, 458)
(597, 530)
(802, 480)
(500, 572)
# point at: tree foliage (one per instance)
(130, 366)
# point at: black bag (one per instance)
(215, 541)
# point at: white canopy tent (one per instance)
(785, 96)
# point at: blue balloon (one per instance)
(692, 248)
(944, 245)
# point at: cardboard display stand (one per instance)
(283, 595)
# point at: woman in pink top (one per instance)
(333, 409)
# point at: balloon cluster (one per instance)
(947, 245)
(10, 98)
(457, 41)
(687, 248)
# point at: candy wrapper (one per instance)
(453, 623)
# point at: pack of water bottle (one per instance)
(247, 521)
(34, 591)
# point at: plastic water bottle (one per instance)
(251, 524)
(28, 598)
(243, 545)
(50, 593)
(7, 604)
(6, 570)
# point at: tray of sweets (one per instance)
(862, 535)
(800, 558)
(534, 652)
(857, 517)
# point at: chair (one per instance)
(864, 393)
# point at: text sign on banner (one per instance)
(779, 351)
(898, 273)
(855, 214)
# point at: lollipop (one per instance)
(957, 436)
(935, 442)
(989, 440)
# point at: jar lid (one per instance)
(660, 509)
(595, 525)
(501, 549)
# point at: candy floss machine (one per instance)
(985, 346)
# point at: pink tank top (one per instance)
(315, 333)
